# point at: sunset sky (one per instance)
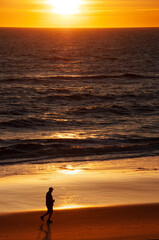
(79, 13)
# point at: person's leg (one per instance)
(50, 214)
(46, 214)
(42, 217)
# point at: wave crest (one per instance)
(32, 150)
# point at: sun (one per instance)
(65, 7)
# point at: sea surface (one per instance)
(78, 95)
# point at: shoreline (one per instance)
(134, 222)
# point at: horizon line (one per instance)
(29, 27)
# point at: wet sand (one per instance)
(138, 222)
(91, 184)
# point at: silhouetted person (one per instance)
(49, 204)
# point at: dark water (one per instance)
(78, 93)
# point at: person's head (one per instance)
(51, 189)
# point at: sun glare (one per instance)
(65, 7)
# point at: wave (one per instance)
(78, 96)
(35, 150)
(114, 109)
(69, 77)
(49, 123)
(27, 122)
(23, 123)
(67, 95)
(57, 58)
(35, 123)
(19, 120)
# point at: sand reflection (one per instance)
(46, 231)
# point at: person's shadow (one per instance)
(47, 232)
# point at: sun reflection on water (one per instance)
(71, 206)
(69, 170)
(67, 135)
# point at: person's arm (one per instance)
(53, 200)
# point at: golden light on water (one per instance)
(70, 170)
(64, 135)
(71, 206)
(69, 135)
(65, 7)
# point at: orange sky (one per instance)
(92, 13)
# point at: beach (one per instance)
(130, 222)
(91, 201)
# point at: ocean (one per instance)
(75, 95)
